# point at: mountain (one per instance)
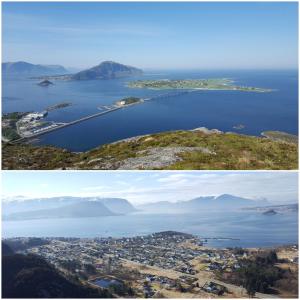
(223, 202)
(23, 205)
(107, 70)
(10, 206)
(28, 69)
(64, 207)
(30, 276)
(117, 205)
(78, 210)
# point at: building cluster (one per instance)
(153, 263)
(31, 124)
(165, 251)
(34, 116)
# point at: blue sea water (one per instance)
(277, 110)
(243, 229)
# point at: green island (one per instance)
(194, 84)
(198, 149)
(58, 106)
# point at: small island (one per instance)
(45, 83)
(129, 101)
(194, 84)
(270, 212)
(58, 106)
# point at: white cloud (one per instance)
(277, 187)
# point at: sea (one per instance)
(223, 110)
(221, 229)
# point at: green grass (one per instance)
(231, 152)
(10, 133)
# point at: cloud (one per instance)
(142, 187)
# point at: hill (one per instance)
(6, 250)
(30, 276)
(28, 69)
(199, 149)
(107, 70)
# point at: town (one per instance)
(165, 264)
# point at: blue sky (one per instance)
(141, 187)
(153, 35)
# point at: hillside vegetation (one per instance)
(200, 149)
(30, 276)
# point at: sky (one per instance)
(162, 35)
(144, 187)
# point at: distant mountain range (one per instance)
(77, 207)
(223, 202)
(65, 207)
(107, 70)
(28, 69)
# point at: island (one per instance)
(104, 71)
(194, 84)
(45, 83)
(129, 101)
(270, 212)
(58, 106)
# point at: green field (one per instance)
(194, 84)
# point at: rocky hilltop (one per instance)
(199, 149)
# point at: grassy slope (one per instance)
(233, 151)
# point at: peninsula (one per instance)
(194, 84)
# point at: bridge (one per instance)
(66, 125)
(34, 135)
